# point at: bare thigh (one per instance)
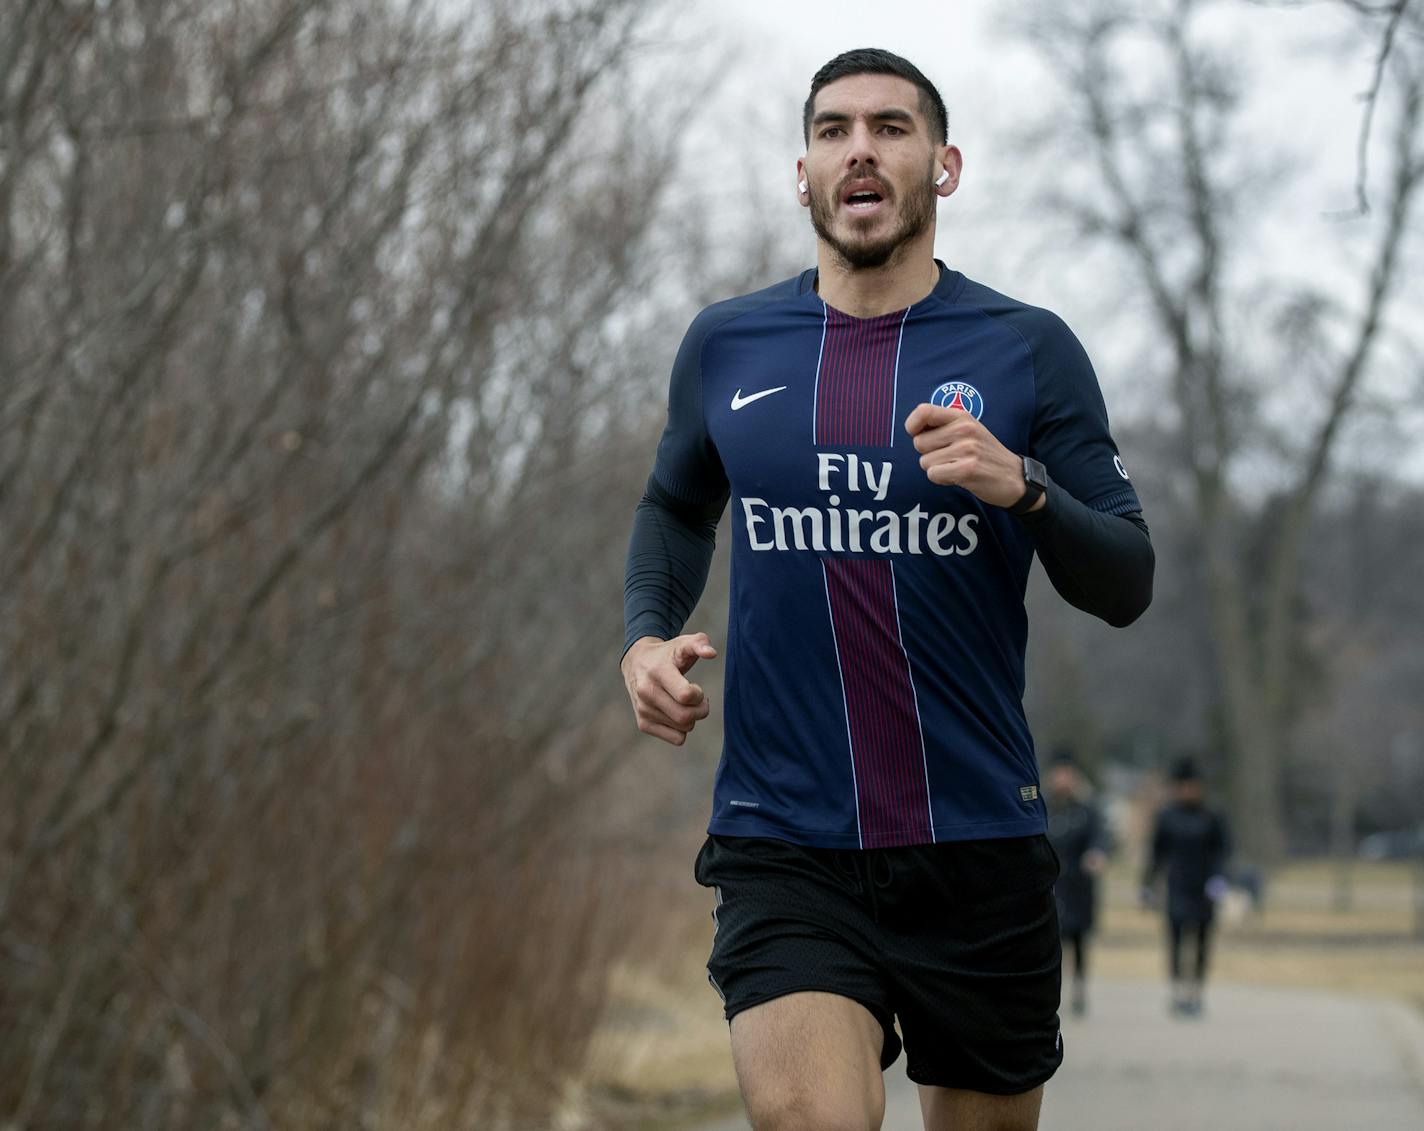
(810, 1062)
(956, 1109)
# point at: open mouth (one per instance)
(863, 196)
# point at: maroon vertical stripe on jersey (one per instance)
(855, 407)
(856, 385)
(886, 746)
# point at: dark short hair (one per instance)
(874, 61)
(1186, 769)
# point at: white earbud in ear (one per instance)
(943, 176)
(801, 187)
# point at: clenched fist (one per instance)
(958, 451)
(667, 705)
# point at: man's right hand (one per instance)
(667, 705)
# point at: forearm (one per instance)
(669, 556)
(1220, 855)
(1156, 857)
(1101, 840)
(1100, 563)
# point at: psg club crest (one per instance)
(956, 394)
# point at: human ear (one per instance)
(951, 161)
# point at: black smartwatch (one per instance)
(1035, 484)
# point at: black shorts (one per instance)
(959, 941)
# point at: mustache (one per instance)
(847, 181)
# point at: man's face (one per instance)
(870, 167)
(1188, 792)
(1063, 780)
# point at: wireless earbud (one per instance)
(801, 187)
(943, 176)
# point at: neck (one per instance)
(908, 276)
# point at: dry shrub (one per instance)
(321, 362)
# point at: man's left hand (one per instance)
(958, 451)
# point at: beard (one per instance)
(916, 214)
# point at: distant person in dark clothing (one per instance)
(1080, 837)
(1190, 844)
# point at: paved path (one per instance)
(1259, 1060)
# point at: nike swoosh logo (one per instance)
(739, 401)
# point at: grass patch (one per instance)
(1298, 939)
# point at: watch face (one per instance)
(1034, 474)
(1035, 484)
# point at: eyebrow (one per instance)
(889, 114)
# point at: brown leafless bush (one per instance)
(322, 327)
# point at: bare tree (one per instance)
(1261, 383)
(1388, 17)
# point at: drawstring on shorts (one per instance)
(863, 869)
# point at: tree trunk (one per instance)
(1253, 749)
(1344, 801)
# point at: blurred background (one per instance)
(334, 341)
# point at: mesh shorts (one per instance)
(957, 941)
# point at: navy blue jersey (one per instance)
(875, 645)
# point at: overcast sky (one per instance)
(992, 84)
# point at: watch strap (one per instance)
(1035, 484)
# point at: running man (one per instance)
(1191, 845)
(896, 441)
(1080, 838)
